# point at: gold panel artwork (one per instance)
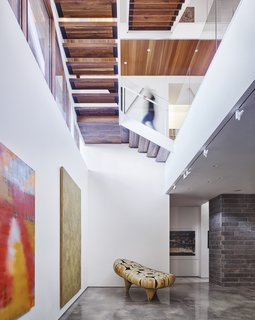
(70, 237)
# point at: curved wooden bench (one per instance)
(149, 279)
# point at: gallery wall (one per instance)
(191, 219)
(129, 212)
(33, 128)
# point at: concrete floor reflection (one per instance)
(189, 299)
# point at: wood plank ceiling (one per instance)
(153, 15)
(166, 57)
(89, 31)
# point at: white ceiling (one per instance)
(229, 167)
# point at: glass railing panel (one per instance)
(146, 107)
(183, 90)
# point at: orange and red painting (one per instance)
(17, 228)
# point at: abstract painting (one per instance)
(182, 243)
(17, 234)
(70, 237)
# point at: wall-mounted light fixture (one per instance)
(205, 153)
(186, 173)
(239, 114)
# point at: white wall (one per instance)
(33, 128)
(186, 219)
(129, 212)
(228, 77)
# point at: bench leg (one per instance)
(150, 294)
(127, 285)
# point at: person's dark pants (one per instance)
(149, 118)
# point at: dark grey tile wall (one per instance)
(232, 240)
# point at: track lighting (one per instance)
(239, 114)
(186, 173)
(205, 153)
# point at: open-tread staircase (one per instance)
(89, 32)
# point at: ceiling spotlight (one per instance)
(125, 62)
(186, 173)
(196, 50)
(239, 114)
(174, 186)
(148, 50)
(205, 153)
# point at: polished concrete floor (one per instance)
(189, 299)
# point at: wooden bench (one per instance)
(149, 279)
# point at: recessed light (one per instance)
(125, 62)
(148, 50)
(196, 50)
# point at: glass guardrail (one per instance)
(183, 89)
(146, 107)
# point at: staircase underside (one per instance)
(145, 146)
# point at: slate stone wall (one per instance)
(232, 240)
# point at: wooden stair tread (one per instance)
(83, 119)
(152, 15)
(95, 97)
(97, 111)
(98, 83)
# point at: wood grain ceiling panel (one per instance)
(166, 57)
(152, 15)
